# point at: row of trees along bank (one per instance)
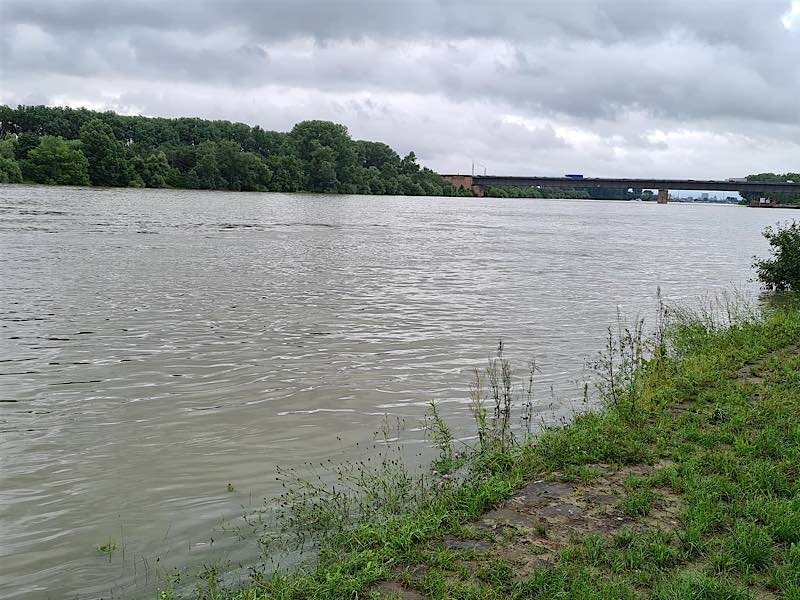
(782, 197)
(65, 146)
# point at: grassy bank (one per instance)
(685, 485)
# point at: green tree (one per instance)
(288, 173)
(25, 143)
(377, 154)
(407, 186)
(255, 175)
(8, 125)
(226, 154)
(409, 165)
(56, 162)
(375, 181)
(265, 143)
(152, 170)
(183, 158)
(206, 174)
(241, 170)
(9, 168)
(308, 136)
(156, 167)
(108, 164)
(322, 169)
(332, 135)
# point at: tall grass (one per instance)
(325, 505)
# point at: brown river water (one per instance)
(156, 345)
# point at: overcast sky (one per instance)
(683, 88)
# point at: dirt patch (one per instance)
(754, 374)
(395, 591)
(547, 515)
(762, 593)
(683, 407)
(750, 374)
(478, 546)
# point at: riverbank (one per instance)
(686, 485)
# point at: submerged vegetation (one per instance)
(684, 484)
(108, 548)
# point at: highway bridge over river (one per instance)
(764, 191)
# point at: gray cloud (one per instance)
(619, 84)
(717, 21)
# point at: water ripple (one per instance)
(174, 341)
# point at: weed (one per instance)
(439, 433)
(624, 361)
(492, 397)
(541, 529)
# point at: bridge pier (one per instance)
(759, 201)
(663, 196)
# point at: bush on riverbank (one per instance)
(703, 422)
(781, 272)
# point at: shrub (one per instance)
(781, 272)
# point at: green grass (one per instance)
(639, 503)
(728, 450)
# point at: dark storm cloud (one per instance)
(730, 21)
(603, 67)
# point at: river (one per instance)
(157, 345)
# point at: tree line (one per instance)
(594, 193)
(66, 146)
(518, 191)
(782, 197)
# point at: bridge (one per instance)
(765, 191)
